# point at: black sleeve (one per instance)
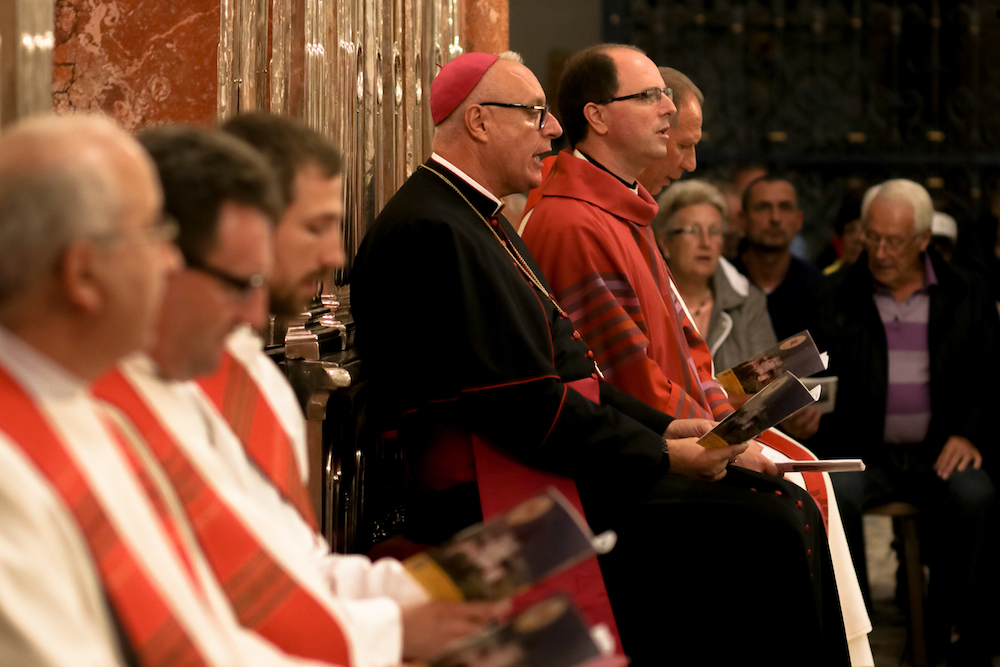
(448, 327)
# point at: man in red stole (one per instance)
(98, 567)
(590, 233)
(278, 573)
(490, 383)
(249, 390)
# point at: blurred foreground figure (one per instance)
(278, 572)
(99, 567)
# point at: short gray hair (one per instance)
(906, 192)
(687, 193)
(683, 88)
(512, 57)
(46, 203)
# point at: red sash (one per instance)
(265, 598)
(503, 484)
(815, 484)
(236, 394)
(156, 636)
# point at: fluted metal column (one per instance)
(26, 43)
(243, 56)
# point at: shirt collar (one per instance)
(472, 182)
(634, 187)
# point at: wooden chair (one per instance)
(910, 560)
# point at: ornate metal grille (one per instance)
(845, 92)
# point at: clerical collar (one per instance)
(468, 179)
(633, 186)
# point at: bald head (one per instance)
(85, 260)
(495, 83)
(64, 178)
(494, 135)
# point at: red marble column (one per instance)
(486, 25)
(142, 62)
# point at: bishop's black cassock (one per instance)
(459, 342)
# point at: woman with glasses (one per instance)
(729, 312)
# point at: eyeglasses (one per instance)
(243, 286)
(648, 96)
(893, 244)
(697, 230)
(542, 117)
(164, 231)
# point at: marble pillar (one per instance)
(141, 62)
(485, 25)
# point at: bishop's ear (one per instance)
(476, 118)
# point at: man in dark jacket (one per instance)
(913, 342)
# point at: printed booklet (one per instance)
(776, 402)
(797, 354)
(492, 561)
(550, 633)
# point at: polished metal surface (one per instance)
(26, 44)
(244, 57)
(357, 71)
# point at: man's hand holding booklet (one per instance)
(776, 395)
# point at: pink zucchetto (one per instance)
(456, 80)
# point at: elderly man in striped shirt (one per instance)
(914, 343)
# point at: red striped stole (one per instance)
(265, 597)
(156, 636)
(236, 395)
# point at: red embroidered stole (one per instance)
(265, 597)
(236, 394)
(156, 636)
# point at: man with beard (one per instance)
(308, 244)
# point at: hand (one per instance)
(753, 459)
(803, 424)
(689, 428)
(690, 459)
(957, 454)
(427, 628)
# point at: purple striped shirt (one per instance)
(908, 401)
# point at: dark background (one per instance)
(845, 93)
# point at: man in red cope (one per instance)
(590, 233)
(490, 384)
(98, 566)
(278, 573)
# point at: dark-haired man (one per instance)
(506, 370)
(772, 217)
(308, 244)
(590, 233)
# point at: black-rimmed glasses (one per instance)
(243, 286)
(545, 110)
(648, 96)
